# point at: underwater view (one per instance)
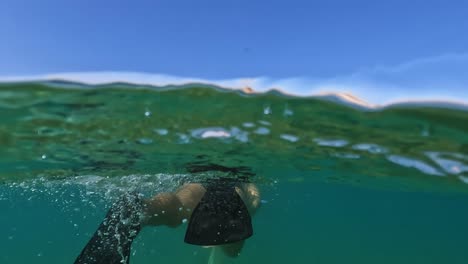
(337, 182)
(233, 132)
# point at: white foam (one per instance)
(161, 131)
(210, 132)
(221, 133)
(215, 134)
(414, 163)
(239, 134)
(262, 131)
(248, 124)
(371, 148)
(336, 143)
(450, 166)
(265, 123)
(183, 138)
(290, 138)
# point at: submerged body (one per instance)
(112, 241)
(386, 186)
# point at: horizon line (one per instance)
(249, 85)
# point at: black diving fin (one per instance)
(112, 240)
(220, 218)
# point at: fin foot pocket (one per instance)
(220, 218)
(112, 240)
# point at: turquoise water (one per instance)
(338, 184)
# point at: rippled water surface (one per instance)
(338, 184)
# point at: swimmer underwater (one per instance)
(218, 212)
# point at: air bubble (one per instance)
(288, 112)
(262, 131)
(145, 141)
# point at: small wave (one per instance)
(414, 163)
(288, 87)
(448, 165)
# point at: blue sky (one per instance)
(416, 45)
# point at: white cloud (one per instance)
(434, 78)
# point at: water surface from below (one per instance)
(338, 184)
